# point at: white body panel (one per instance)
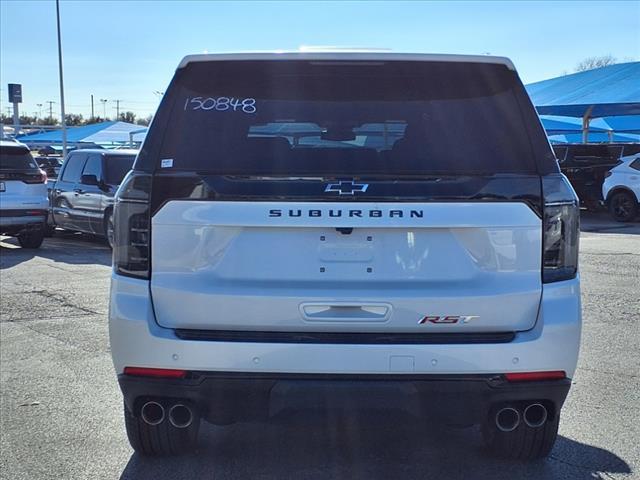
(623, 176)
(137, 340)
(23, 196)
(252, 266)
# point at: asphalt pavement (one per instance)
(61, 410)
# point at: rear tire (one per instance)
(49, 230)
(623, 206)
(108, 228)
(523, 443)
(160, 440)
(31, 239)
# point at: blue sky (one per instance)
(127, 50)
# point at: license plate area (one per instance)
(356, 246)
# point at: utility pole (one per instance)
(92, 117)
(104, 109)
(50, 102)
(117, 109)
(64, 124)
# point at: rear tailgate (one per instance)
(257, 164)
(395, 267)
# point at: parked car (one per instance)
(436, 272)
(23, 195)
(82, 197)
(621, 189)
(51, 166)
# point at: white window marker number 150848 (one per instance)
(221, 104)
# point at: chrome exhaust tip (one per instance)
(507, 419)
(152, 413)
(535, 415)
(180, 416)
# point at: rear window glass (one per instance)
(116, 167)
(299, 117)
(16, 158)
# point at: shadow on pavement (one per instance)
(601, 222)
(65, 247)
(386, 446)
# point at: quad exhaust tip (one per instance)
(152, 413)
(535, 415)
(507, 419)
(180, 416)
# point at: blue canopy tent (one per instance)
(612, 92)
(100, 133)
(598, 137)
(605, 129)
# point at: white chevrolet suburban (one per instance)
(300, 225)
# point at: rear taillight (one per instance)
(155, 372)
(40, 177)
(535, 376)
(561, 229)
(132, 226)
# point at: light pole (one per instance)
(64, 124)
(39, 105)
(104, 109)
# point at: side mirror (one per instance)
(89, 180)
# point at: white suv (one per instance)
(347, 229)
(621, 189)
(23, 195)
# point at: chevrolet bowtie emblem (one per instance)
(347, 188)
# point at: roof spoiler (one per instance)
(338, 55)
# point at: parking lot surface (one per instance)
(61, 410)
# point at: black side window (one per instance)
(93, 166)
(635, 164)
(73, 168)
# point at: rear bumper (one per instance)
(14, 221)
(236, 380)
(223, 398)
(19, 221)
(137, 340)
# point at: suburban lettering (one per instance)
(336, 213)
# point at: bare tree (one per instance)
(595, 62)
(144, 121)
(128, 117)
(73, 119)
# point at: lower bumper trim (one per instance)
(223, 397)
(344, 337)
